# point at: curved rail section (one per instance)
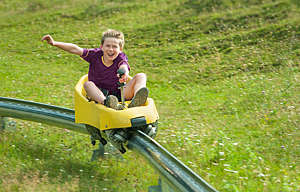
(174, 175)
(38, 112)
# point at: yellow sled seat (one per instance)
(102, 117)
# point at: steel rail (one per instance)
(38, 112)
(174, 175)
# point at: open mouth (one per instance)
(110, 54)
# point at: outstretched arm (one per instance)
(69, 47)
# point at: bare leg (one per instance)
(136, 90)
(137, 82)
(93, 92)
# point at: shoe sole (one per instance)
(140, 98)
(113, 102)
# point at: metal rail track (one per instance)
(174, 175)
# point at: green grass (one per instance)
(224, 76)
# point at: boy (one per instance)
(102, 76)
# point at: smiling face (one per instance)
(111, 49)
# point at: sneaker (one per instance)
(140, 98)
(111, 101)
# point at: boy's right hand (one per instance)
(49, 39)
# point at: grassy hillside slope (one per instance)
(224, 75)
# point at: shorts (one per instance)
(116, 93)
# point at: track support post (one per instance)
(6, 124)
(98, 153)
(162, 186)
(3, 121)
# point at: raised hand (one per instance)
(49, 39)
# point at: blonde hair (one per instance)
(111, 33)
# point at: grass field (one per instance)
(224, 74)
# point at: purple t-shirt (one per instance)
(103, 76)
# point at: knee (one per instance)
(88, 84)
(141, 76)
